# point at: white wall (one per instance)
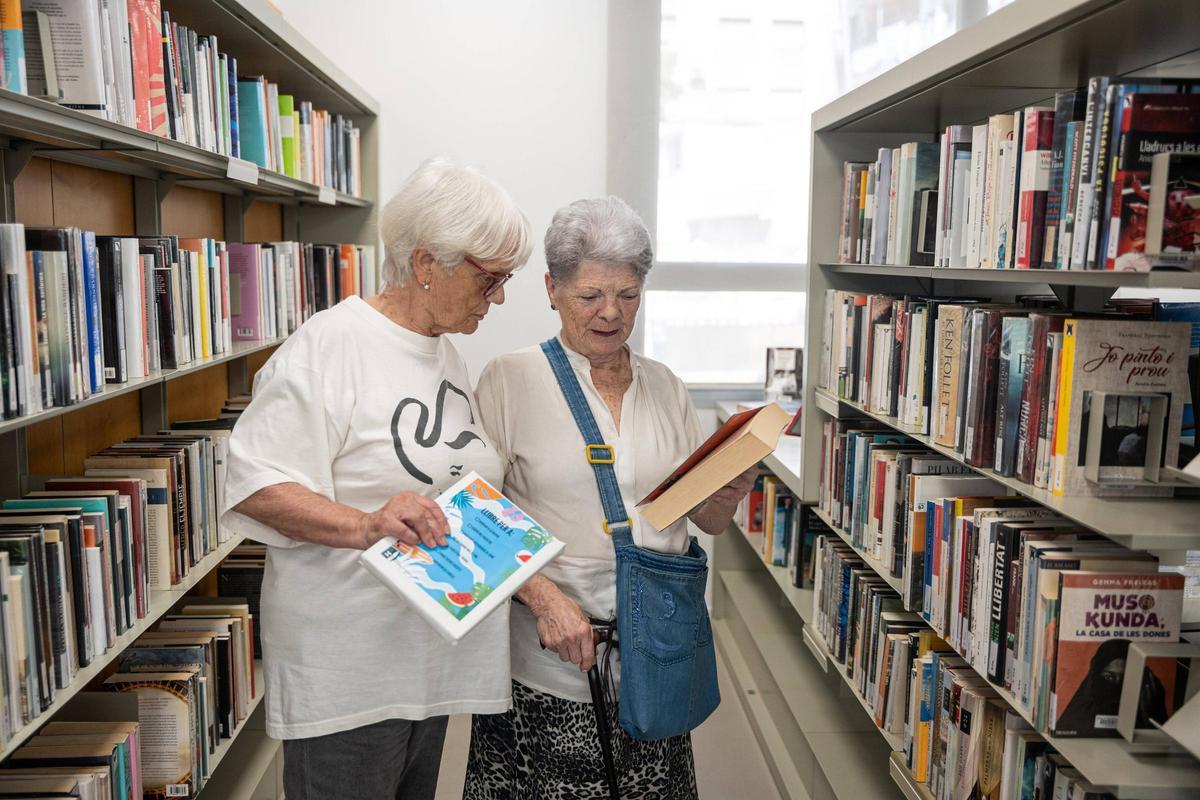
(516, 88)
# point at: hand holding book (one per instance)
(408, 518)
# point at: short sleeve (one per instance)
(491, 397)
(285, 435)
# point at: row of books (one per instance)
(1016, 590)
(194, 683)
(1080, 405)
(960, 736)
(90, 759)
(1098, 181)
(126, 61)
(241, 575)
(783, 529)
(82, 558)
(78, 310)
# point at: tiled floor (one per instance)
(729, 763)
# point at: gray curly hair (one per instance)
(603, 229)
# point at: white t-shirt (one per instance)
(356, 408)
(547, 475)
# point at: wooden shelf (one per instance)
(161, 602)
(239, 350)
(1155, 524)
(53, 131)
(1158, 279)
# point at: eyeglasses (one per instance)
(495, 279)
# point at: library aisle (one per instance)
(729, 762)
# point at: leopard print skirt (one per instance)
(548, 748)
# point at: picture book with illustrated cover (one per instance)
(492, 549)
(1099, 615)
(1132, 361)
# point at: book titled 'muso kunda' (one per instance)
(492, 549)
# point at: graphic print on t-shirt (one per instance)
(426, 436)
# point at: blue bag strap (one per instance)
(597, 453)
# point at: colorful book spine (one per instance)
(1035, 186)
(12, 42)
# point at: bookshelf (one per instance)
(61, 167)
(1018, 56)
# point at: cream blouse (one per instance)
(547, 475)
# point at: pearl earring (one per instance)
(425, 286)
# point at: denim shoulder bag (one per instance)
(668, 663)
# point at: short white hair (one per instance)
(452, 211)
(601, 229)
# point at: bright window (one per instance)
(739, 84)
(721, 337)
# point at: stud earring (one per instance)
(553, 307)
(425, 286)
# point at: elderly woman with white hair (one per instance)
(598, 253)
(358, 420)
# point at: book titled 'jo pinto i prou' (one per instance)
(492, 549)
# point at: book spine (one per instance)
(1064, 109)
(1097, 91)
(1061, 424)
(1100, 176)
(1035, 185)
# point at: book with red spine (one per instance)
(1036, 144)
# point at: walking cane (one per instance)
(603, 730)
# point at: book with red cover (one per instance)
(1029, 424)
(1035, 185)
(1150, 124)
(1099, 615)
(744, 440)
(149, 88)
(735, 422)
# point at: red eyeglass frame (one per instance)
(495, 280)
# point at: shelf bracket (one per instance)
(166, 182)
(247, 200)
(16, 158)
(1083, 298)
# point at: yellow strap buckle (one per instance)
(606, 454)
(628, 523)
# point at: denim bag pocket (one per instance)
(668, 663)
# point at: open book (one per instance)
(745, 439)
(492, 549)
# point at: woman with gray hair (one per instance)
(598, 253)
(358, 420)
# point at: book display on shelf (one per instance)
(122, 372)
(1066, 186)
(940, 584)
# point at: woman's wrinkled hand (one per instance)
(410, 518)
(564, 628)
